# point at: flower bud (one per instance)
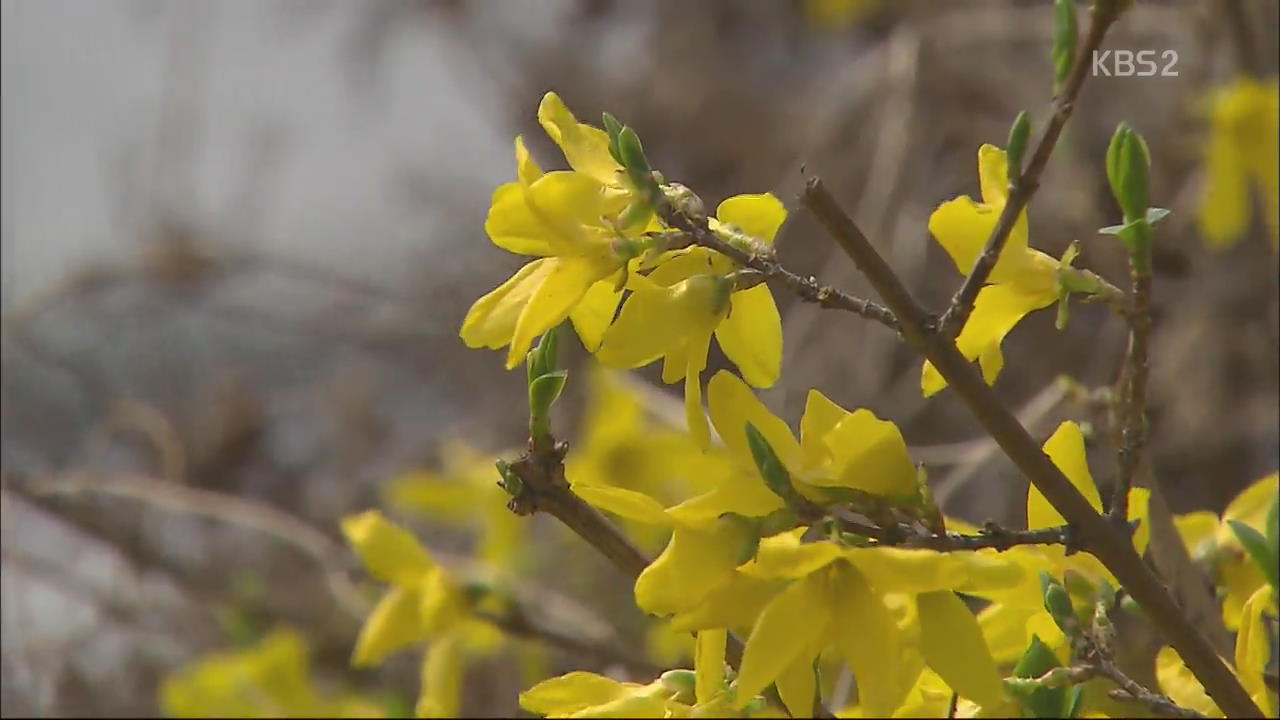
(1128, 170)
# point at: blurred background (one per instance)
(239, 239)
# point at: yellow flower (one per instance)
(1024, 279)
(1210, 540)
(424, 603)
(677, 693)
(1244, 143)
(843, 598)
(674, 311)
(270, 679)
(571, 219)
(464, 493)
(838, 14)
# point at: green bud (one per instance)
(684, 200)
(632, 152)
(1128, 170)
(1019, 132)
(682, 682)
(1058, 602)
(1065, 32)
(772, 470)
(1104, 631)
(543, 392)
(510, 481)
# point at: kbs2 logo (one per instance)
(1127, 63)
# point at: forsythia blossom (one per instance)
(1023, 280)
(1243, 154)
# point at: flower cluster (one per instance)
(597, 239)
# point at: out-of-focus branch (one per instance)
(1027, 182)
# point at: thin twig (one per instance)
(1099, 536)
(806, 288)
(1130, 689)
(992, 537)
(1027, 182)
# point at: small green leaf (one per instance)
(772, 470)
(632, 152)
(1273, 525)
(1036, 661)
(1017, 146)
(1075, 701)
(1065, 32)
(1260, 550)
(613, 128)
(1155, 215)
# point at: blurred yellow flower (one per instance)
(269, 680)
(1242, 155)
(424, 602)
(1024, 279)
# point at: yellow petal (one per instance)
(491, 321)
(869, 454)
(1066, 449)
(623, 503)
(756, 215)
(798, 686)
(708, 663)
(1253, 648)
(565, 695)
(903, 570)
(585, 147)
(571, 205)
(962, 227)
(787, 627)
(996, 311)
(1139, 509)
(953, 646)
(391, 553)
(742, 493)
(820, 417)
(442, 673)
(751, 336)
(1252, 504)
(993, 175)
(693, 563)
(1182, 687)
(1197, 529)
(686, 263)
(697, 349)
(867, 635)
(593, 315)
(1224, 210)
(562, 289)
(527, 169)
(648, 328)
(514, 226)
(734, 603)
(784, 556)
(733, 405)
(395, 623)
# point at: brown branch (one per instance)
(992, 537)
(1248, 59)
(1130, 689)
(1099, 536)
(1133, 433)
(1027, 182)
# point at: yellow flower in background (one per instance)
(571, 220)
(837, 15)
(1024, 279)
(1241, 158)
(269, 680)
(674, 311)
(1211, 541)
(424, 602)
(464, 494)
(626, 445)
